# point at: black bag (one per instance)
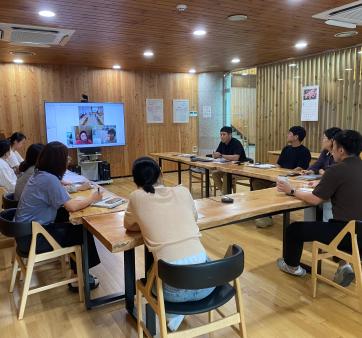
(104, 171)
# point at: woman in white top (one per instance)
(17, 141)
(7, 175)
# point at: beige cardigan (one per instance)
(167, 220)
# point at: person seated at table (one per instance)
(17, 142)
(166, 216)
(7, 174)
(27, 167)
(43, 197)
(230, 149)
(294, 156)
(342, 184)
(324, 161)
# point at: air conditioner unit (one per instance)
(34, 36)
(346, 14)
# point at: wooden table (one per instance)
(109, 230)
(229, 168)
(76, 217)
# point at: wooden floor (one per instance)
(276, 304)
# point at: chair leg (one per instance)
(240, 309)
(14, 274)
(24, 297)
(358, 277)
(211, 318)
(63, 265)
(139, 313)
(78, 259)
(314, 269)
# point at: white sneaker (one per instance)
(299, 271)
(344, 275)
(264, 222)
(174, 321)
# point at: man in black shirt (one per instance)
(230, 149)
(294, 156)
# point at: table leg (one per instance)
(179, 172)
(207, 183)
(150, 314)
(160, 162)
(229, 183)
(129, 280)
(286, 222)
(86, 269)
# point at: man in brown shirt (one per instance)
(342, 184)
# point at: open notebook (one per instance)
(109, 202)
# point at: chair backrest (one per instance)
(9, 202)
(204, 275)
(10, 228)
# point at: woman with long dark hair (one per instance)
(44, 195)
(17, 142)
(166, 216)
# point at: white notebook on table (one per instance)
(109, 202)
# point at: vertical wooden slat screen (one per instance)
(279, 98)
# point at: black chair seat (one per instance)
(220, 296)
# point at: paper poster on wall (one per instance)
(206, 112)
(181, 111)
(154, 110)
(310, 100)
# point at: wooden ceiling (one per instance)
(116, 31)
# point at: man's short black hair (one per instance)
(350, 141)
(4, 147)
(299, 131)
(226, 129)
(331, 132)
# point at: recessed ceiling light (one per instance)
(18, 61)
(148, 53)
(235, 60)
(199, 32)
(360, 52)
(297, 77)
(237, 17)
(340, 79)
(192, 71)
(116, 67)
(47, 14)
(292, 65)
(300, 45)
(348, 69)
(346, 34)
(244, 74)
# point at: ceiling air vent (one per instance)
(35, 36)
(350, 14)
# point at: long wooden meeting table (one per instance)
(109, 230)
(229, 168)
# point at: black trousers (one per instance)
(66, 234)
(300, 232)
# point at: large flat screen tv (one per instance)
(85, 125)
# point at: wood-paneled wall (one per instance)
(24, 88)
(243, 111)
(279, 98)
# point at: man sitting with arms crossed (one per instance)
(294, 156)
(230, 149)
(342, 184)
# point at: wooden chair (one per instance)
(22, 229)
(323, 251)
(216, 274)
(196, 175)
